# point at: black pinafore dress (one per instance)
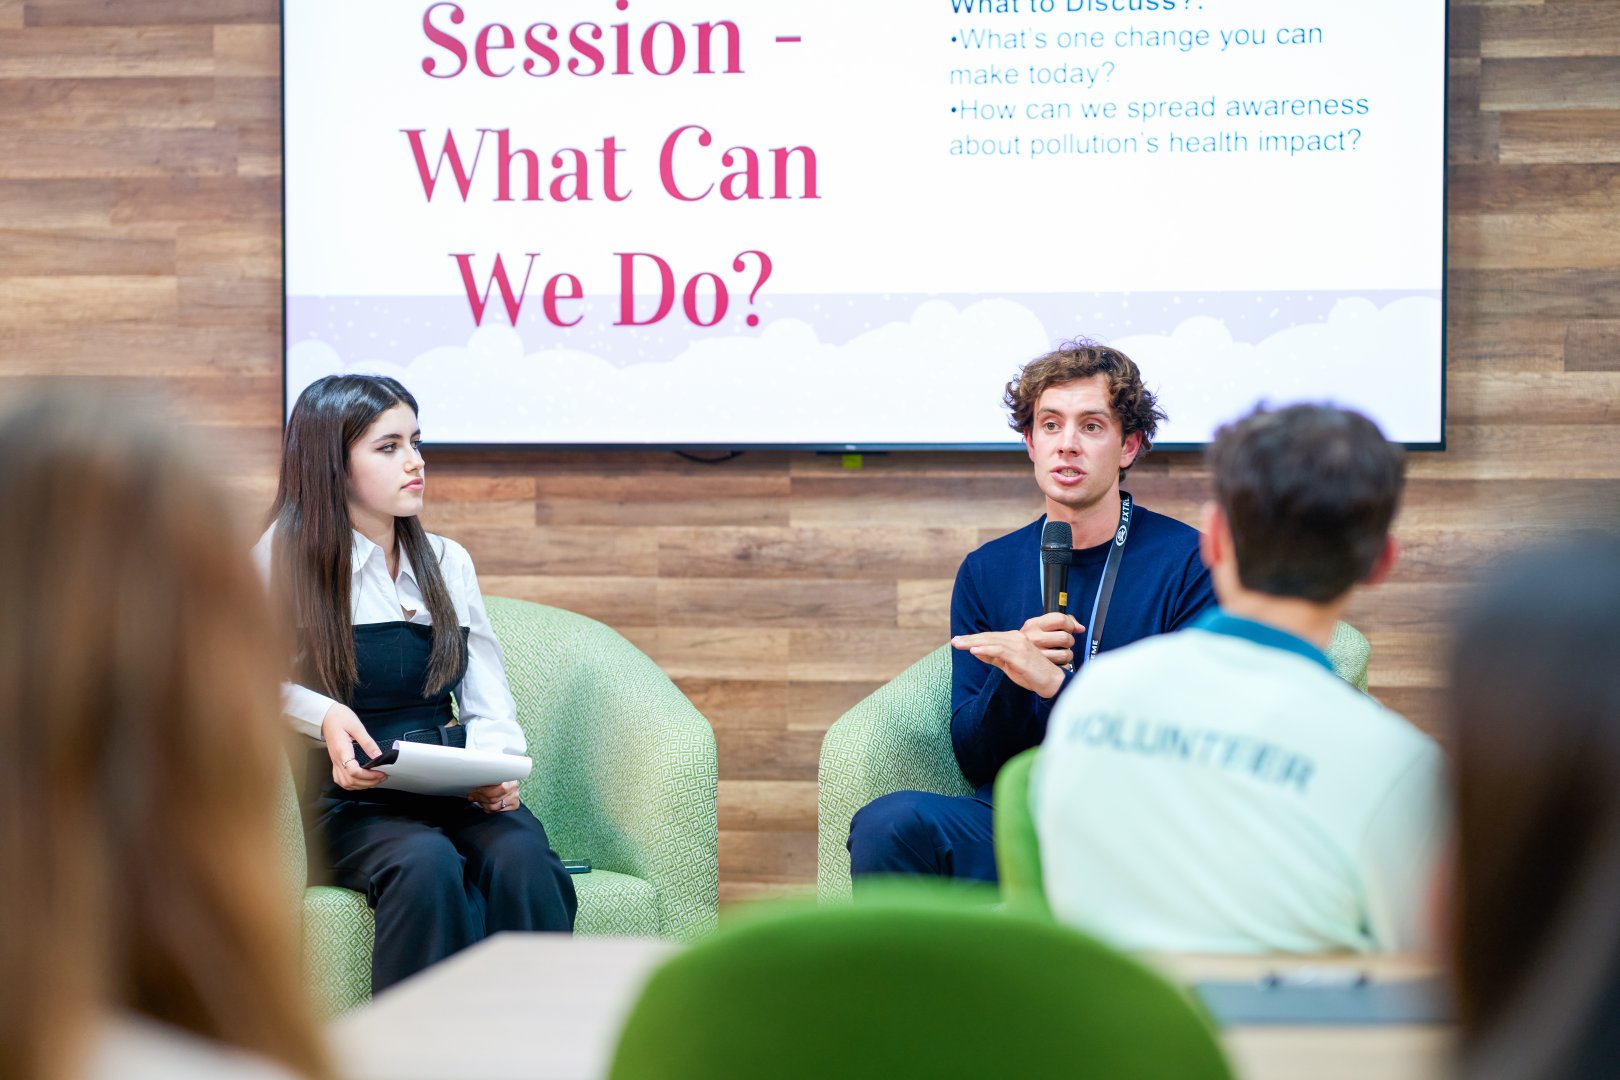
(438, 872)
(391, 661)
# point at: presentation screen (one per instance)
(845, 225)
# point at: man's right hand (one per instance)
(342, 729)
(1034, 656)
(1053, 634)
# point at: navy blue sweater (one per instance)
(1162, 586)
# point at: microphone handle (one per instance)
(1054, 579)
(1054, 582)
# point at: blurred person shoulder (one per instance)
(132, 1047)
(262, 550)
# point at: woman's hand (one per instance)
(496, 798)
(342, 730)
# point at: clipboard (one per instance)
(429, 769)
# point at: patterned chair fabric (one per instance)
(1349, 651)
(625, 776)
(899, 739)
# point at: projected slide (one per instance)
(848, 223)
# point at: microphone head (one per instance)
(1057, 542)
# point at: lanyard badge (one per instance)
(1105, 586)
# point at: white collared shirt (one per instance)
(483, 698)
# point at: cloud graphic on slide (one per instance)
(923, 380)
(1355, 359)
(934, 378)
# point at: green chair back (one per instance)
(909, 981)
(1018, 853)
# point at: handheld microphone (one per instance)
(1057, 551)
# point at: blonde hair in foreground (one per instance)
(139, 862)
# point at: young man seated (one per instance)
(1220, 789)
(1086, 417)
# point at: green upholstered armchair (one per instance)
(899, 985)
(624, 776)
(899, 739)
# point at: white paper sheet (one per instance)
(450, 770)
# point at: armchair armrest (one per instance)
(897, 739)
(626, 771)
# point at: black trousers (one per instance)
(441, 874)
(919, 832)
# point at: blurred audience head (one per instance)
(140, 868)
(1535, 736)
(1308, 493)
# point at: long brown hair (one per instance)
(314, 539)
(139, 865)
(1535, 717)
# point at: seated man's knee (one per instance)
(895, 813)
(891, 832)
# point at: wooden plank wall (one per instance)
(139, 215)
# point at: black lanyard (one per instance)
(1105, 587)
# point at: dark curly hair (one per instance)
(1135, 407)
